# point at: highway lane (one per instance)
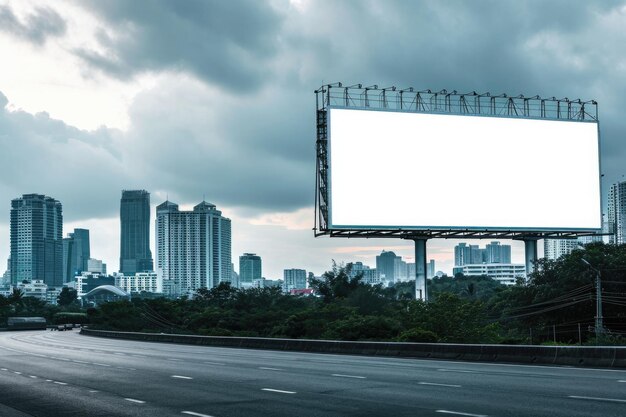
(66, 374)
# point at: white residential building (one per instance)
(617, 213)
(555, 248)
(505, 273)
(193, 248)
(140, 282)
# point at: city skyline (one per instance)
(93, 103)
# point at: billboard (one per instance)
(426, 171)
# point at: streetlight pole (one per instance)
(599, 324)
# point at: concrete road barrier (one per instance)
(589, 356)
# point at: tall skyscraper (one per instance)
(135, 254)
(193, 248)
(250, 268)
(36, 240)
(617, 213)
(76, 253)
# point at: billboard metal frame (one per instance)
(435, 102)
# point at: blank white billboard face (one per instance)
(428, 171)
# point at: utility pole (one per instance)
(599, 324)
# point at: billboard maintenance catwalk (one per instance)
(408, 153)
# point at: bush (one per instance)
(418, 335)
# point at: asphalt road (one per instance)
(66, 374)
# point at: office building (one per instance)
(135, 254)
(294, 279)
(193, 248)
(96, 265)
(37, 240)
(250, 268)
(388, 265)
(76, 253)
(616, 217)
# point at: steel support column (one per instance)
(530, 250)
(420, 270)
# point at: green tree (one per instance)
(68, 296)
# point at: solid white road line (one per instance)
(621, 380)
(278, 390)
(132, 400)
(269, 369)
(193, 413)
(458, 413)
(348, 376)
(613, 400)
(439, 385)
(181, 377)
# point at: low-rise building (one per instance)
(504, 273)
(140, 282)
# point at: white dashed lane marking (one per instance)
(280, 391)
(581, 397)
(348, 376)
(132, 400)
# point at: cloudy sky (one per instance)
(215, 98)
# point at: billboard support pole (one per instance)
(530, 249)
(420, 269)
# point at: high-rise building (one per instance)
(37, 240)
(465, 254)
(96, 265)
(294, 279)
(76, 253)
(388, 266)
(135, 254)
(495, 253)
(250, 268)
(555, 248)
(430, 270)
(193, 248)
(617, 213)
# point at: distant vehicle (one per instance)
(26, 323)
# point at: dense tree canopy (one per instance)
(556, 304)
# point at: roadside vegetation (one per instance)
(556, 306)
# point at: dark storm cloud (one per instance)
(195, 134)
(46, 156)
(223, 42)
(39, 25)
(177, 150)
